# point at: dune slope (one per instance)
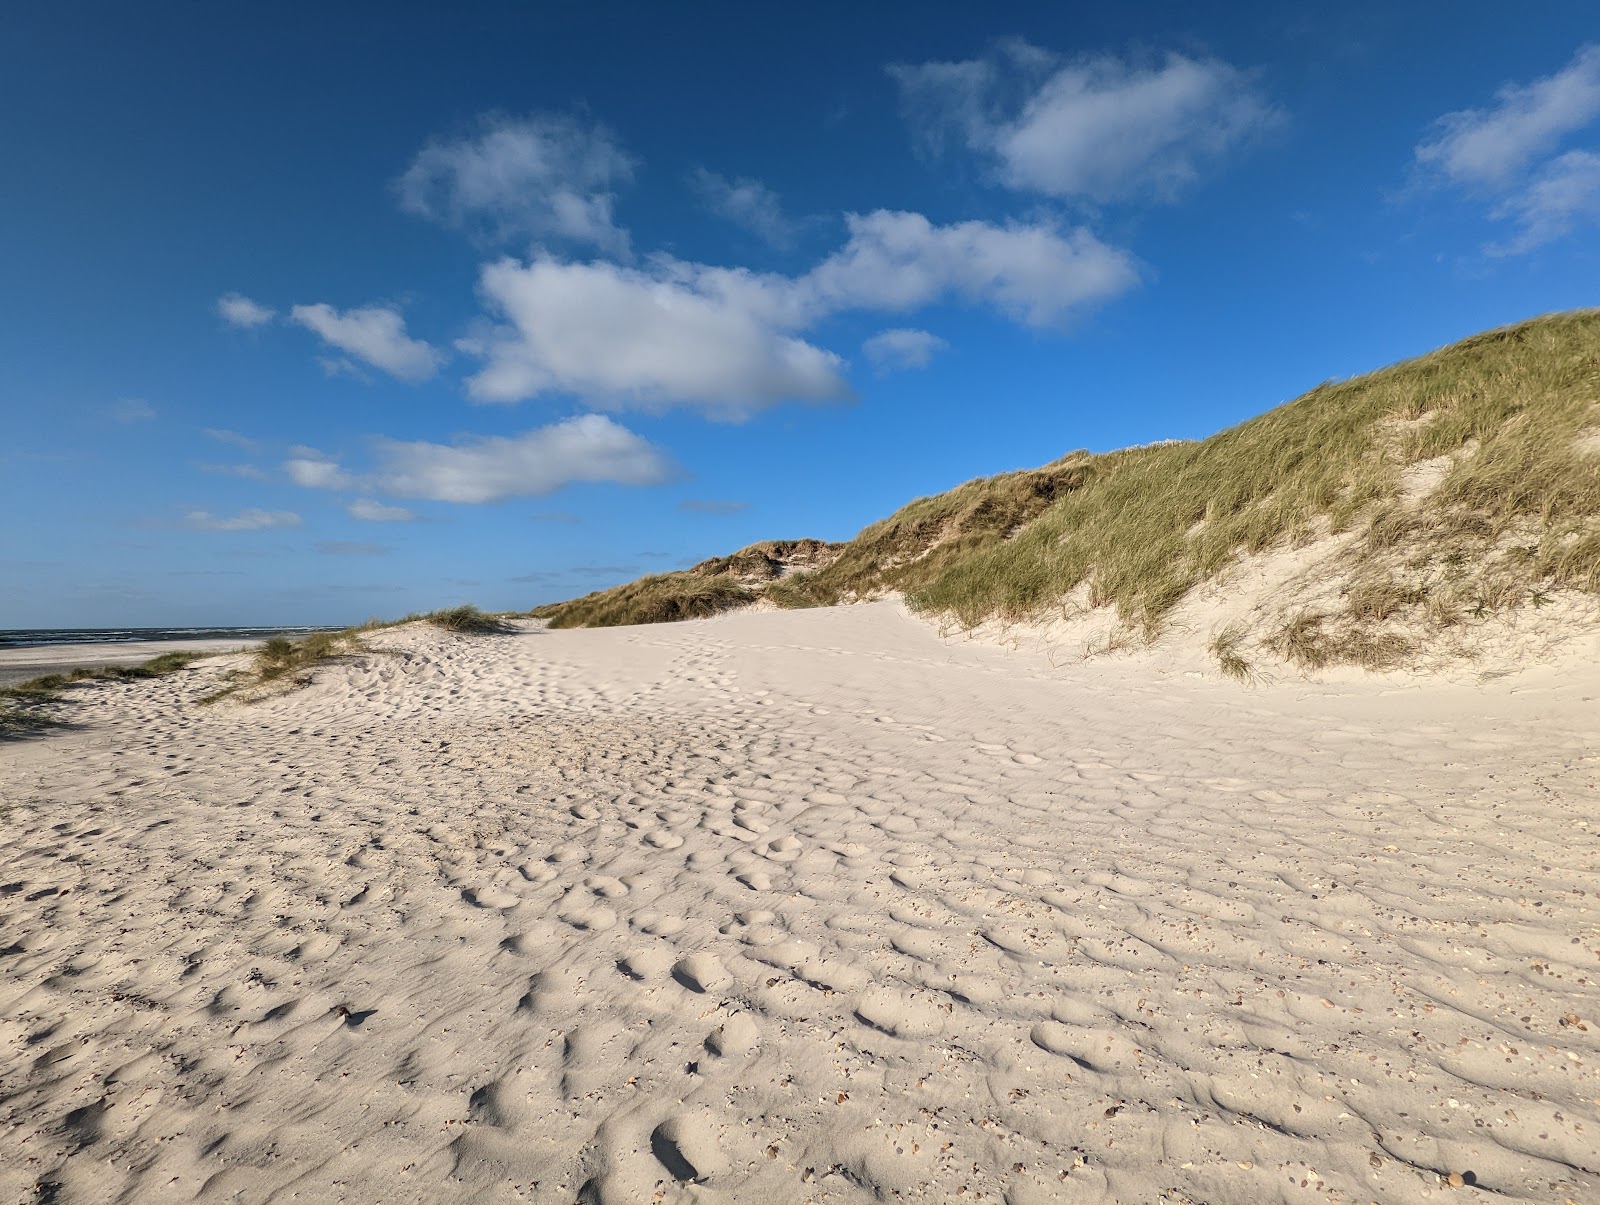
(1451, 490)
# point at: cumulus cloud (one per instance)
(238, 310)
(374, 511)
(1564, 194)
(713, 506)
(618, 336)
(903, 348)
(313, 470)
(725, 339)
(588, 448)
(746, 203)
(543, 176)
(1491, 146)
(1098, 128)
(1034, 272)
(352, 548)
(373, 334)
(252, 519)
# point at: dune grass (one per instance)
(23, 705)
(1466, 483)
(660, 598)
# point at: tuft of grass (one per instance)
(468, 620)
(1225, 647)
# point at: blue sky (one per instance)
(316, 312)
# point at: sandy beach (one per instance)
(802, 906)
(18, 665)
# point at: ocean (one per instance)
(22, 638)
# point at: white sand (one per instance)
(802, 906)
(35, 661)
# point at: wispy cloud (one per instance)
(374, 334)
(231, 437)
(1504, 153)
(903, 347)
(1490, 147)
(249, 471)
(252, 519)
(713, 506)
(238, 310)
(1095, 127)
(543, 176)
(129, 410)
(374, 511)
(746, 203)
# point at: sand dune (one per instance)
(802, 906)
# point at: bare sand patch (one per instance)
(802, 906)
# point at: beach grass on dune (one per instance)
(661, 598)
(1467, 483)
(22, 703)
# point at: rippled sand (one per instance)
(802, 907)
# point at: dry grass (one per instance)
(1225, 648)
(661, 598)
(1514, 514)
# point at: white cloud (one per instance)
(1562, 195)
(377, 512)
(1098, 128)
(616, 336)
(252, 519)
(746, 203)
(130, 410)
(234, 470)
(1031, 272)
(374, 334)
(540, 176)
(313, 470)
(1490, 147)
(589, 448)
(238, 310)
(903, 348)
(723, 338)
(222, 435)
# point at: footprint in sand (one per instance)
(738, 1035)
(646, 964)
(702, 973)
(605, 886)
(687, 1147)
(591, 918)
(661, 839)
(900, 1013)
(489, 897)
(782, 849)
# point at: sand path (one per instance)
(802, 907)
